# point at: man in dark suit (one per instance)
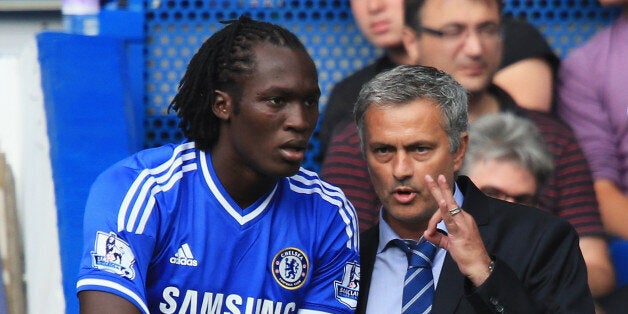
(490, 255)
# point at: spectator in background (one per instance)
(528, 63)
(593, 101)
(507, 159)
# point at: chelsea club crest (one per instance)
(290, 268)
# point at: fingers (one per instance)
(441, 191)
(434, 188)
(446, 192)
(463, 242)
(433, 235)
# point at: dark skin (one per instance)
(267, 138)
(260, 143)
(99, 302)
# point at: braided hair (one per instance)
(223, 58)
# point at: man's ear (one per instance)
(411, 44)
(462, 150)
(223, 105)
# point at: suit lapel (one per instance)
(450, 289)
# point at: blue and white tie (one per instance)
(418, 290)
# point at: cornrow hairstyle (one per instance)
(219, 63)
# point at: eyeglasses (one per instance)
(526, 199)
(489, 32)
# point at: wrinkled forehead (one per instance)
(460, 11)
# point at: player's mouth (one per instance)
(293, 151)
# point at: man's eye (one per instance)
(311, 102)
(490, 30)
(453, 31)
(381, 150)
(277, 101)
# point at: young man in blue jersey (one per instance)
(226, 221)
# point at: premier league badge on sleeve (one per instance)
(347, 290)
(113, 255)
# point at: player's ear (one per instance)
(223, 105)
(462, 150)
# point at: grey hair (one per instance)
(406, 83)
(507, 137)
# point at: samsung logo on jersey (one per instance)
(208, 302)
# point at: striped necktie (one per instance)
(418, 289)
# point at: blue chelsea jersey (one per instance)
(161, 231)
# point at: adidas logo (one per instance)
(184, 256)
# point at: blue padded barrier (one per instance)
(128, 26)
(90, 122)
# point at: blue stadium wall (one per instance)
(106, 96)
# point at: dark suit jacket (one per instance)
(538, 264)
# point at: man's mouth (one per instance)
(404, 196)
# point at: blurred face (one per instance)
(381, 21)
(613, 2)
(278, 110)
(402, 145)
(505, 180)
(460, 37)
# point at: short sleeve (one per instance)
(113, 260)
